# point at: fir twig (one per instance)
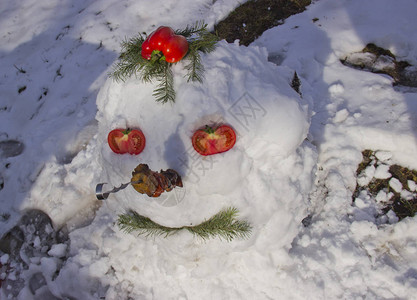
(195, 68)
(154, 69)
(224, 225)
(129, 63)
(188, 31)
(165, 90)
(142, 225)
(205, 43)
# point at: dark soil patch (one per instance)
(382, 61)
(402, 207)
(248, 21)
(366, 154)
(372, 48)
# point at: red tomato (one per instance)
(174, 47)
(208, 141)
(146, 50)
(130, 141)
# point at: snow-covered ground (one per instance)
(294, 156)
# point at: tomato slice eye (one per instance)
(228, 138)
(199, 142)
(126, 141)
(208, 141)
(136, 142)
(113, 140)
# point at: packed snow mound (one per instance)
(267, 175)
(242, 89)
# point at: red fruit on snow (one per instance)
(173, 47)
(210, 141)
(130, 141)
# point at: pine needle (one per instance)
(205, 42)
(188, 31)
(143, 226)
(130, 63)
(223, 225)
(165, 90)
(195, 68)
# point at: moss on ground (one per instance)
(399, 70)
(248, 21)
(402, 207)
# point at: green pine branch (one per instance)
(188, 31)
(142, 225)
(224, 225)
(195, 68)
(131, 62)
(165, 92)
(205, 43)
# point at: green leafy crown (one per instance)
(131, 62)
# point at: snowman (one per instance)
(258, 172)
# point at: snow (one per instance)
(291, 174)
(396, 185)
(382, 172)
(412, 185)
(4, 259)
(58, 250)
(383, 156)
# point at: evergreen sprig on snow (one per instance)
(131, 62)
(224, 225)
(200, 40)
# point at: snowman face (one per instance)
(256, 102)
